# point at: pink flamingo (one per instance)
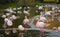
(26, 20)
(41, 25)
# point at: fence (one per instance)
(30, 32)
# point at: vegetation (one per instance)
(19, 21)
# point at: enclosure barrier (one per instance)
(35, 32)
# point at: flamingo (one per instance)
(53, 8)
(59, 28)
(54, 28)
(19, 12)
(26, 20)
(10, 10)
(20, 27)
(26, 12)
(7, 9)
(7, 14)
(19, 8)
(41, 25)
(37, 6)
(6, 24)
(13, 17)
(28, 7)
(9, 23)
(3, 16)
(14, 9)
(6, 19)
(40, 7)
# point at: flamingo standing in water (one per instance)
(7, 24)
(41, 24)
(21, 28)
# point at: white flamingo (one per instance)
(9, 23)
(26, 12)
(13, 17)
(19, 12)
(7, 14)
(53, 8)
(40, 7)
(10, 10)
(20, 27)
(14, 8)
(6, 20)
(3, 16)
(37, 6)
(19, 8)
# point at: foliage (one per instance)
(7, 1)
(27, 2)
